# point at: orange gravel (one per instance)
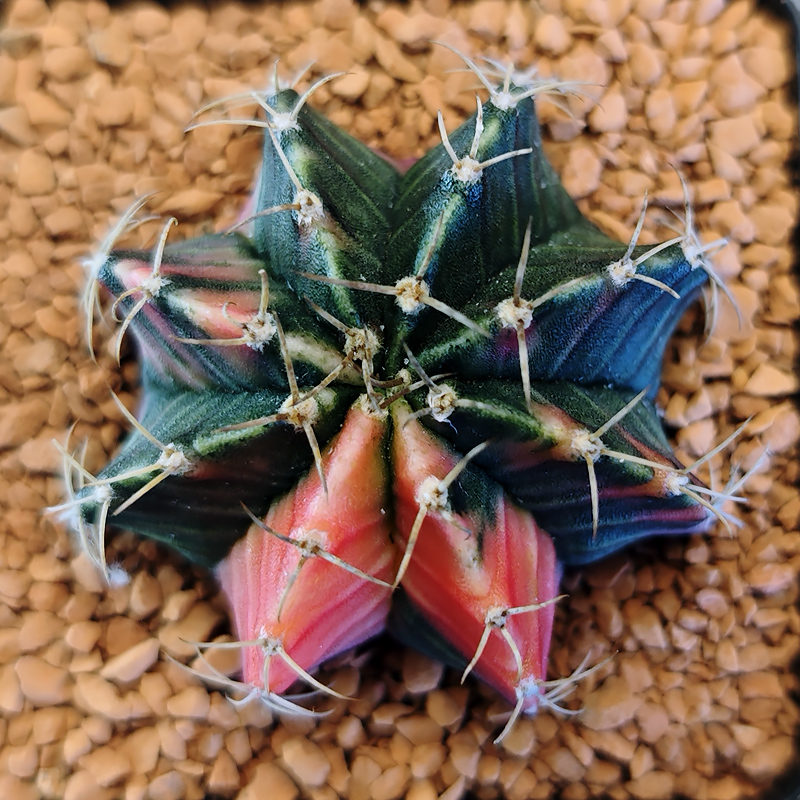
(695, 699)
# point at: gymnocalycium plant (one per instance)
(398, 401)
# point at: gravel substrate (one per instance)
(695, 698)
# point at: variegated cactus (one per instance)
(399, 400)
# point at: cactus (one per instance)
(399, 401)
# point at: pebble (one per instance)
(42, 683)
(736, 136)
(67, 63)
(646, 64)
(224, 776)
(610, 114)
(647, 627)
(281, 786)
(169, 786)
(551, 36)
(769, 381)
(391, 784)
(107, 766)
(610, 706)
(581, 173)
(698, 69)
(769, 758)
(35, 175)
(132, 663)
(655, 785)
(611, 46)
(306, 761)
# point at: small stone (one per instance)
(581, 175)
(737, 136)
(726, 657)
(42, 683)
(149, 22)
(551, 36)
(66, 222)
(169, 786)
(224, 776)
(81, 785)
(35, 173)
(281, 786)
(647, 627)
(610, 115)
(396, 65)
(39, 628)
(391, 784)
(769, 381)
(610, 706)
(112, 46)
(146, 595)
(306, 761)
(21, 421)
(45, 110)
(350, 87)
(646, 64)
(190, 202)
(769, 66)
(11, 699)
(16, 127)
(419, 729)
(655, 785)
(712, 601)
(611, 46)
(768, 759)
(67, 63)
(192, 702)
(729, 218)
(771, 578)
(108, 766)
(660, 112)
(132, 663)
(725, 166)
(113, 108)
(773, 223)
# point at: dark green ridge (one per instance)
(252, 467)
(592, 333)
(357, 190)
(168, 363)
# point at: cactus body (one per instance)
(446, 377)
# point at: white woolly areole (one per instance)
(515, 312)
(432, 494)
(298, 414)
(584, 445)
(310, 207)
(259, 331)
(621, 272)
(674, 482)
(442, 402)
(410, 294)
(310, 542)
(496, 617)
(153, 284)
(467, 170)
(174, 460)
(361, 343)
(281, 121)
(368, 408)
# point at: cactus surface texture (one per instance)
(398, 400)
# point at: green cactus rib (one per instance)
(472, 286)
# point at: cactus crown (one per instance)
(496, 351)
